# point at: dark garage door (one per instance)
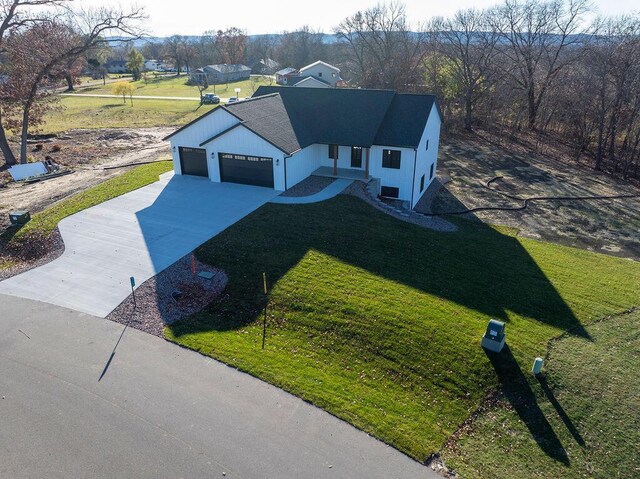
(248, 170)
(193, 161)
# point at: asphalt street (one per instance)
(159, 411)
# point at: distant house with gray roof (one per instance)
(221, 73)
(316, 75)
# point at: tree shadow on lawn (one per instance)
(477, 267)
(518, 392)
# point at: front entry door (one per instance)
(356, 157)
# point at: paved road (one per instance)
(137, 234)
(141, 97)
(160, 411)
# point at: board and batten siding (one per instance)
(427, 156)
(203, 129)
(300, 165)
(401, 178)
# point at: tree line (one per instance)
(546, 68)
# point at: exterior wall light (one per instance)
(277, 161)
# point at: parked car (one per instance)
(210, 99)
(233, 99)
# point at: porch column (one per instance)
(366, 164)
(335, 167)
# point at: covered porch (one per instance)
(348, 173)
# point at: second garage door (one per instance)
(248, 170)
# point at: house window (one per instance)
(389, 191)
(391, 159)
(431, 170)
(427, 147)
(421, 183)
(356, 157)
(333, 152)
(320, 74)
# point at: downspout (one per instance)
(284, 159)
(413, 183)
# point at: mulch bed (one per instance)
(155, 306)
(309, 186)
(31, 252)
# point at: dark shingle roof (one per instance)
(292, 118)
(405, 120)
(354, 116)
(267, 116)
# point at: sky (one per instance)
(192, 17)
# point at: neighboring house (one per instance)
(283, 76)
(322, 71)
(325, 75)
(154, 65)
(116, 66)
(222, 73)
(283, 135)
(308, 82)
(266, 66)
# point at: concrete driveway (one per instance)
(160, 411)
(137, 234)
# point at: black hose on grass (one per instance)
(526, 201)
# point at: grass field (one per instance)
(86, 112)
(44, 222)
(590, 399)
(379, 321)
(176, 86)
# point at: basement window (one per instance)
(421, 183)
(431, 170)
(391, 159)
(427, 145)
(389, 191)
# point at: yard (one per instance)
(177, 86)
(96, 113)
(379, 321)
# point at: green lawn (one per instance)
(379, 321)
(590, 401)
(44, 222)
(176, 86)
(86, 112)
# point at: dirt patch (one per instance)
(157, 302)
(309, 186)
(606, 226)
(87, 152)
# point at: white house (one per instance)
(322, 71)
(154, 65)
(283, 135)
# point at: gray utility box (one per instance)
(494, 336)
(19, 217)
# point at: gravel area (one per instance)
(359, 189)
(155, 304)
(33, 252)
(309, 186)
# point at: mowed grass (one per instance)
(44, 222)
(379, 321)
(87, 112)
(177, 86)
(590, 397)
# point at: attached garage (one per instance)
(193, 161)
(247, 170)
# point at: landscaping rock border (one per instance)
(36, 252)
(155, 306)
(309, 186)
(435, 223)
